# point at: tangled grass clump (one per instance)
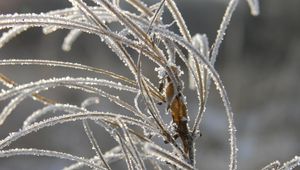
(140, 33)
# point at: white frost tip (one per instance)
(254, 7)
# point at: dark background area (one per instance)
(259, 64)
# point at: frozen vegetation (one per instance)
(144, 139)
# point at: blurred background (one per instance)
(259, 64)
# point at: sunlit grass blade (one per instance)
(48, 153)
(160, 154)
